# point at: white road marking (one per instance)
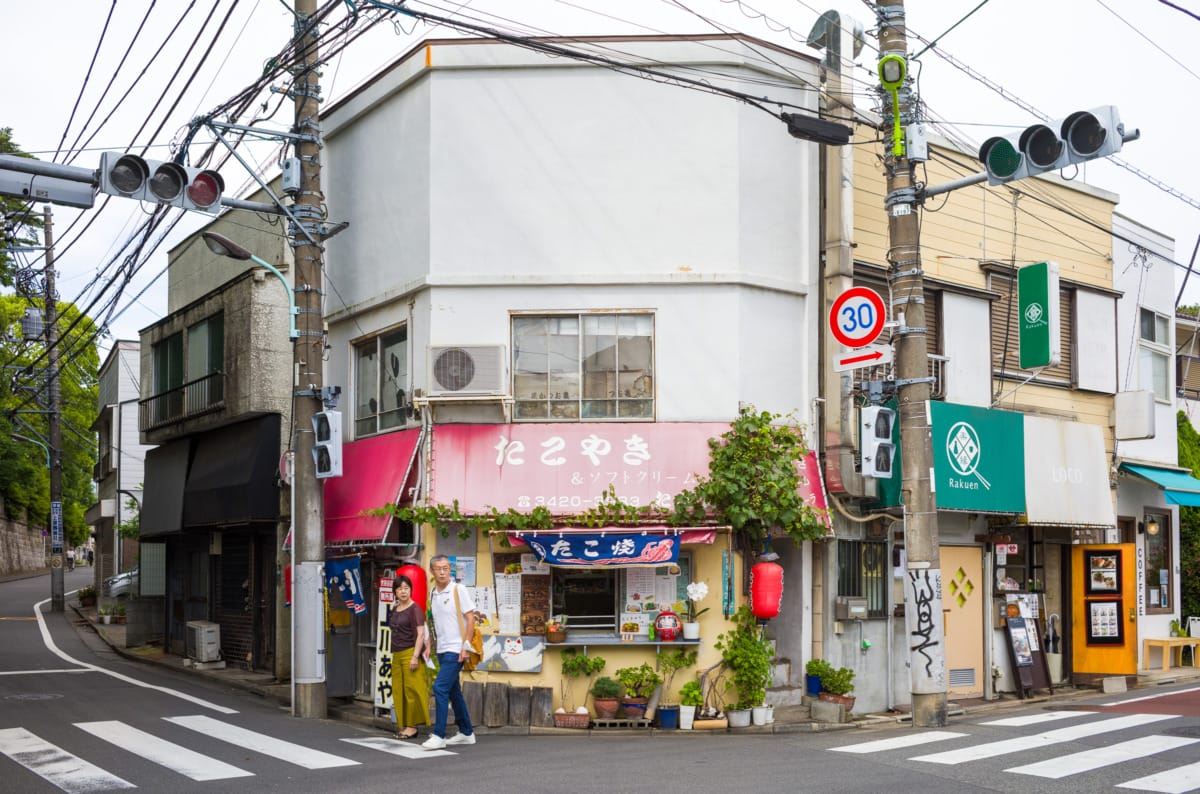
(49, 642)
(160, 751)
(1035, 719)
(55, 765)
(908, 740)
(261, 743)
(38, 672)
(1099, 757)
(1173, 781)
(1151, 697)
(397, 747)
(1022, 743)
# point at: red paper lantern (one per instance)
(415, 574)
(766, 589)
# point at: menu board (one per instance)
(535, 603)
(1103, 572)
(1104, 624)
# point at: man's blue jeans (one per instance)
(448, 692)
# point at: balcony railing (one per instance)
(196, 398)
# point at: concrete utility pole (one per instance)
(923, 617)
(308, 541)
(54, 404)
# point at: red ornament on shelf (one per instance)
(667, 626)
(766, 587)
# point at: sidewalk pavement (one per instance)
(787, 719)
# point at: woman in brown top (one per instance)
(410, 691)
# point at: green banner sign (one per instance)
(978, 458)
(1037, 299)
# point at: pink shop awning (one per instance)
(374, 473)
(568, 468)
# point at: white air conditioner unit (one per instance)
(466, 370)
(203, 641)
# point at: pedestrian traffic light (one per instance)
(130, 176)
(327, 443)
(1084, 135)
(875, 439)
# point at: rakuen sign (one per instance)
(978, 458)
(1037, 299)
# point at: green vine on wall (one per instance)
(752, 485)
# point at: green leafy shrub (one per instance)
(639, 682)
(838, 681)
(606, 687)
(747, 654)
(690, 694)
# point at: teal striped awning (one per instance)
(1179, 487)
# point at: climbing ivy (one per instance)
(1189, 521)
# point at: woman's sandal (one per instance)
(406, 734)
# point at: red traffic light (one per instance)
(205, 190)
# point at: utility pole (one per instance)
(923, 577)
(308, 512)
(54, 404)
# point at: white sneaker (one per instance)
(434, 742)
(461, 738)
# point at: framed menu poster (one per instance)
(1104, 624)
(1103, 572)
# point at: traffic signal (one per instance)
(1084, 135)
(875, 440)
(130, 176)
(327, 443)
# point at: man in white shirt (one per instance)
(447, 612)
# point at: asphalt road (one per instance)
(86, 720)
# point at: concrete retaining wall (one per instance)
(22, 548)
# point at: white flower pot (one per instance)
(759, 715)
(691, 631)
(739, 718)
(687, 715)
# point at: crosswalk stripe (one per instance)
(1099, 757)
(1037, 719)
(69, 772)
(160, 751)
(261, 743)
(895, 743)
(1172, 781)
(397, 747)
(1022, 743)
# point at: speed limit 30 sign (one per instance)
(856, 317)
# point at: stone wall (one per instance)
(22, 548)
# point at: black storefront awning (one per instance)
(162, 494)
(232, 477)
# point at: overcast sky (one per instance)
(1053, 55)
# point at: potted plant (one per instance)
(105, 615)
(670, 662)
(747, 653)
(575, 665)
(836, 686)
(606, 697)
(691, 697)
(1175, 630)
(640, 683)
(691, 618)
(813, 670)
(556, 629)
(118, 612)
(87, 596)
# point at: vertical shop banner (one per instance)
(978, 458)
(1039, 330)
(346, 576)
(383, 646)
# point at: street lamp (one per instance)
(223, 246)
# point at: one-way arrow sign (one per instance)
(868, 356)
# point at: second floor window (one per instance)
(583, 367)
(381, 382)
(1154, 353)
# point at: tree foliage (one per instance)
(1189, 521)
(24, 477)
(21, 214)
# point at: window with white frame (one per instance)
(583, 366)
(1154, 353)
(381, 382)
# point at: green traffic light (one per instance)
(1003, 159)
